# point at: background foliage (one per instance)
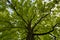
(13, 14)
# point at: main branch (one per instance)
(48, 31)
(16, 11)
(39, 21)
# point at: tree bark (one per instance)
(30, 35)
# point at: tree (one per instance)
(29, 20)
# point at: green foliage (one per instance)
(16, 15)
(58, 20)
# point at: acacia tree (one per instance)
(29, 20)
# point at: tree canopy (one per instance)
(29, 19)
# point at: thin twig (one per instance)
(54, 37)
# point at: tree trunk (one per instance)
(30, 36)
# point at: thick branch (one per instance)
(48, 31)
(29, 22)
(42, 17)
(16, 11)
(39, 21)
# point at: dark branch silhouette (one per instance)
(16, 11)
(39, 21)
(42, 17)
(48, 31)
